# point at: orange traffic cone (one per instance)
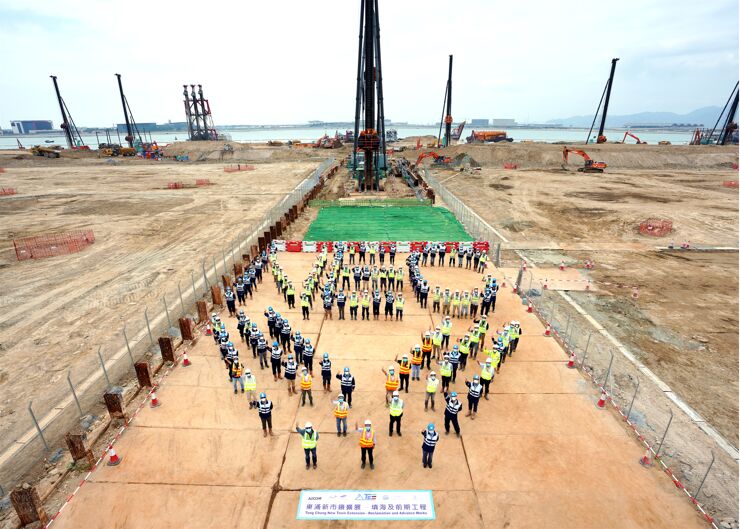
(588, 285)
(572, 360)
(185, 359)
(562, 265)
(524, 265)
(114, 459)
(208, 330)
(513, 288)
(635, 293)
(503, 283)
(155, 401)
(530, 308)
(544, 286)
(647, 460)
(548, 330)
(601, 403)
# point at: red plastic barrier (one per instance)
(450, 245)
(386, 245)
(511, 166)
(293, 246)
(417, 246)
(480, 245)
(321, 244)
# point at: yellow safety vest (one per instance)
(306, 382)
(396, 409)
(250, 383)
(399, 304)
(341, 411)
(445, 369)
(366, 438)
(309, 440)
(432, 385)
(485, 374)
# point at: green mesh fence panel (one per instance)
(370, 223)
(385, 202)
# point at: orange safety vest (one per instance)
(366, 438)
(391, 383)
(416, 358)
(306, 382)
(405, 367)
(341, 412)
(426, 345)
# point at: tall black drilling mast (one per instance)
(74, 139)
(448, 117)
(601, 138)
(198, 114)
(369, 86)
(129, 117)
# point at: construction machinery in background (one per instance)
(438, 158)
(368, 164)
(447, 117)
(488, 136)
(605, 97)
(457, 133)
(46, 152)
(136, 145)
(71, 133)
(327, 142)
(724, 134)
(638, 140)
(198, 114)
(589, 165)
(131, 126)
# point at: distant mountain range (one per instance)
(703, 116)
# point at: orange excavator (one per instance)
(589, 165)
(438, 159)
(638, 140)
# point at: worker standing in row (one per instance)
(347, 382)
(391, 383)
(487, 373)
(426, 349)
(309, 439)
(416, 361)
(431, 389)
(451, 411)
(396, 413)
(474, 391)
(264, 408)
(431, 437)
(291, 367)
(326, 372)
(341, 412)
(230, 301)
(404, 370)
(250, 384)
(276, 355)
(445, 370)
(306, 386)
(367, 443)
(236, 371)
(399, 306)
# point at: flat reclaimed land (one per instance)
(538, 454)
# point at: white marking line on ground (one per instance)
(695, 417)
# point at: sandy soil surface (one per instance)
(538, 454)
(57, 311)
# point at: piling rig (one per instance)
(368, 162)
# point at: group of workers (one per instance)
(291, 355)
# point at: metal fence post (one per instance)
(585, 349)
(36, 424)
(102, 364)
(657, 452)
(205, 277)
(629, 411)
(567, 328)
(182, 305)
(167, 311)
(608, 371)
(128, 347)
(74, 393)
(698, 491)
(148, 327)
(192, 278)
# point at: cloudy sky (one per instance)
(291, 61)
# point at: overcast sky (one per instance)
(291, 61)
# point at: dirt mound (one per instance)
(548, 156)
(232, 152)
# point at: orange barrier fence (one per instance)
(656, 227)
(238, 167)
(200, 182)
(52, 245)
(730, 183)
(7, 191)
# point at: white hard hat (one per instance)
(432, 374)
(309, 425)
(368, 422)
(395, 393)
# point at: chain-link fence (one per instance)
(78, 394)
(676, 440)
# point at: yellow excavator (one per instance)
(38, 150)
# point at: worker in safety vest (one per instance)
(456, 304)
(493, 353)
(396, 413)
(426, 349)
(341, 412)
(487, 373)
(383, 276)
(309, 438)
(474, 303)
(474, 390)
(353, 304)
(372, 251)
(290, 294)
(291, 366)
(505, 341)
(326, 372)
(416, 361)
(446, 331)
(437, 339)
(474, 341)
(367, 442)
(454, 356)
(516, 332)
(465, 304)
(375, 278)
(250, 385)
(453, 256)
(341, 301)
(446, 302)
(399, 306)
(432, 385)
(451, 410)
(399, 279)
(352, 252)
(347, 383)
(483, 327)
(235, 373)
(345, 276)
(391, 278)
(306, 383)
(431, 437)
(436, 298)
(445, 370)
(230, 301)
(365, 305)
(305, 304)
(464, 348)
(391, 383)
(483, 260)
(404, 370)
(215, 326)
(264, 408)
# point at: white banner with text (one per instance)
(366, 505)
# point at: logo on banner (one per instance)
(370, 497)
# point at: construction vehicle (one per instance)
(113, 149)
(457, 133)
(47, 152)
(327, 142)
(638, 140)
(438, 159)
(600, 138)
(488, 136)
(589, 165)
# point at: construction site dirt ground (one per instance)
(539, 454)
(684, 325)
(58, 311)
